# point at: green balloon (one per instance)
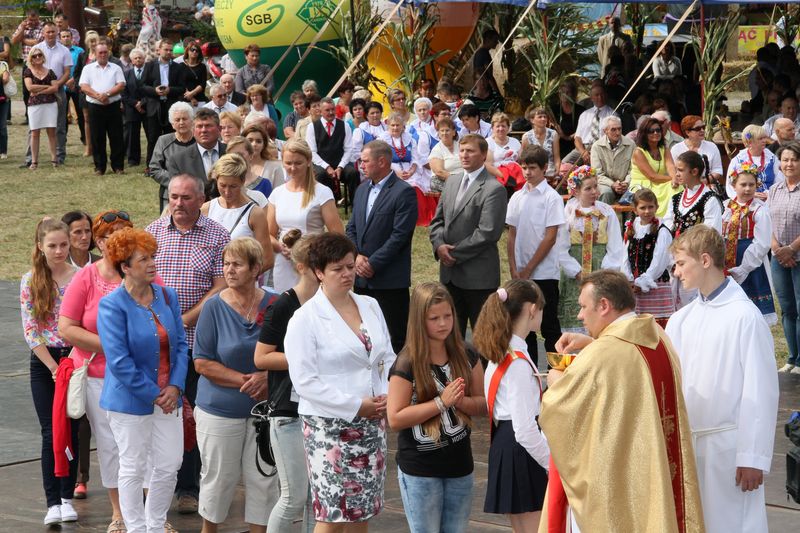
(177, 50)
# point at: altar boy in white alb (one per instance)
(729, 383)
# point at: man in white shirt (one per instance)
(731, 398)
(57, 58)
(219, 100)
(103, 82)
(470, 117)
(788, 110)
(534, 215)
(588, 128)
(331, 142)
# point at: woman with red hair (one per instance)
(147, 357)
(694, 130)
(78, 326)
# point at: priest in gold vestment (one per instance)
(615, 419)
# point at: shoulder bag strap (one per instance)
(494, 384)
(241, 215)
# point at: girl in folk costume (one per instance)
(747, 231)
(406, 162)
(518, 455)
(590, 240)
(504, 152)
(647, 260)
(435, 386)
(756, 154)
(697, 203)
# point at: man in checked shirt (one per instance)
(189, 260)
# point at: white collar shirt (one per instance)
(584, 128)
(531, 210)
(374, 191)
(227, 106)
(518, 399)
(102, 79)
(57, 58)
(211, 158)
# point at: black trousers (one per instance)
(106, 121)
(350, 178)
(133, 139)
(551, 327)
(73, 97)
(156, 126)
(43, 390)
(468, 303)
(189, 474)
(394, 304)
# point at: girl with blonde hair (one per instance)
(300, 203)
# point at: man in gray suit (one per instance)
(464, 232)
(198, 158)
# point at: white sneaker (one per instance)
(53, 515)
(786, 368)
(795, 370)
(68, 513)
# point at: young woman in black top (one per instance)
(435, 387)
(286, 429)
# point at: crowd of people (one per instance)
(251, 287)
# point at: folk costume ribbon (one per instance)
(588, 237)
(739, 213)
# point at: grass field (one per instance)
(32, 194)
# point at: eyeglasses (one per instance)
(617, 128)
(108, 218)
(651, 131)
(698, 128)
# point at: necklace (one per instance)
(688, 201)
(399, 150)
(253, 300)
(761, 164)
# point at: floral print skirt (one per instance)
(346, 467)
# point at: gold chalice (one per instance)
(559, 361)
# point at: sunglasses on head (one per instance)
(698, 128)
(108, 218)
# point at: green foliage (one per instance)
(791, 22)
(639, 14)
(344, 53)
(204, 31)
(714, 81)
(410, 44)
(566, 49)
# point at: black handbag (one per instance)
(792, 430)
(261, 413)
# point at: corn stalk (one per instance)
(787, 31)
(366, 20)
(710, 59)
(410, 44)
(549, 59)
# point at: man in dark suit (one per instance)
(198, 158)
(330, 141)
(227, 82)
(161, 88)
(132, 101)
(382, 227)
(465, 229)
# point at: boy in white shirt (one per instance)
(534, 215)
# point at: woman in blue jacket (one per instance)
(147, 358)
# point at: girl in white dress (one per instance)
(301, 203)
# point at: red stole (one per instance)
(660, 367)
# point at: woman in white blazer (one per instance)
(339, 354)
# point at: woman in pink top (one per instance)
(78, 325)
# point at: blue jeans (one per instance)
(436, 504)
(286, 437)
(787, 286)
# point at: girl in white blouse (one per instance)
(519, 455)
(747, 232)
